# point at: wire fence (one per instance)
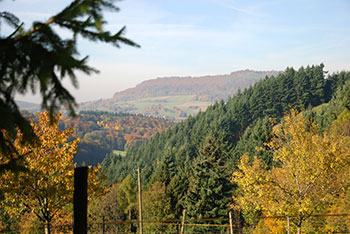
(322, 223)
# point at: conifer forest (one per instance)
(273, 157)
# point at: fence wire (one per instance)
(324, 223)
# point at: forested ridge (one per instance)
(191, 162)
(246, 112)
(278, 148)
(104, 132)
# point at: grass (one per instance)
(122, 153)
(163, 107)
(186, 103)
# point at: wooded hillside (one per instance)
(268, 98)
(277, 142)
(193, 159)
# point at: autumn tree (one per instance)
(106, 208)
(47, 185)
(127, 198)
(340, 127)
(37, 59)
(311, 169)
(157, 207)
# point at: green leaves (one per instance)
(127, 195)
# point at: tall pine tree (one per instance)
(209, 187)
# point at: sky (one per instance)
(203, 37)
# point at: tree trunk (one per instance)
(47, 227)
(298, 230)
(300, 221)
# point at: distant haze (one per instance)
(182, 37)
(177, 97)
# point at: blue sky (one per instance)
(205, 37)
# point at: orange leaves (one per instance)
(95, 187)
(48, 186)
(102, 132)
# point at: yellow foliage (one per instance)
(341, 126)
(270, 225)
(29, 223)
(47, 186)
(49, 183)
(311, 169)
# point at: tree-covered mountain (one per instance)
(269, 97)
(211, 88)
(177, 97)
(28, 106)
(240, 125)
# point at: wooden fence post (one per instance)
(183, 221)
(80, 200)
(103, 224)
(231, 226)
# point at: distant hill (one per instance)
(177, 97)
(206, 88)
(28, 106)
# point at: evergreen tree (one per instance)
(177, 191)
(317, 84)
(287, 88)
(209, 187)
(252, 142)
(270, 97)
(165, 170)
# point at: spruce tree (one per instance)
(252, 142)
(209, 188)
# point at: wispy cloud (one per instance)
(186, 37)
(230, 5)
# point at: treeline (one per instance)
(103, 132)
(268, 98)
(193, 159)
